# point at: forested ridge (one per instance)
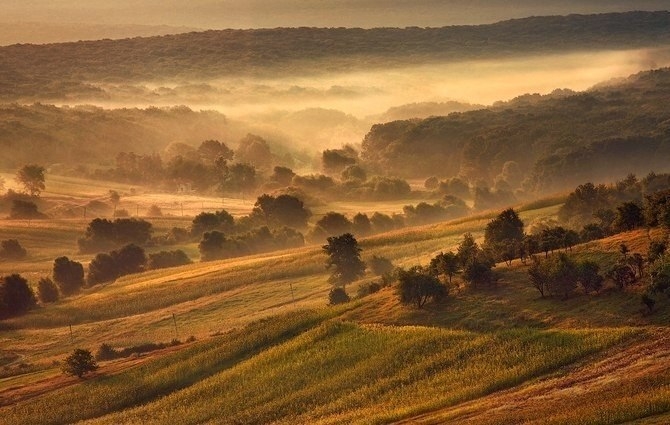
(27, 71)
(559, 140)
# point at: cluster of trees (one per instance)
(420, 285)
(361, 225)
(628, 204)
(102, 233)
(209, 167)
(353, 184)
(98, 134)
(216, 245)
(68, 276)
(106, 267)
(416, 285)
(559, 275)
(274, 223)
(22, 205)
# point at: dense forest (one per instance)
(31, 72)
(555, 141)
(90, 135)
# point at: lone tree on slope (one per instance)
(344, 256)
(79, 363)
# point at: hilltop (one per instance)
(75, 69)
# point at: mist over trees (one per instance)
(72, 67)
(613, 130)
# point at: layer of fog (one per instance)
(316, 113)
(218, 14)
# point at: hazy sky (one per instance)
(323, 13)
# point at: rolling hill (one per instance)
(267, 350)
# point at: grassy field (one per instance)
(268, 350)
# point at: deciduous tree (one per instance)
(31, 177)
(16, 297)
(344, 258)
(79, 363)
(417, 286)
(68, 275)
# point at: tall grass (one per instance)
(106, 394)
(346, 373)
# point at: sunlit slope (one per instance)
(347, 373)
(371, 361)
(310, 368)
(214, 296)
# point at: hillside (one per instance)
(558, 140)
(75, 69)
(267, 350)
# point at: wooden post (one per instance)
(174, 319)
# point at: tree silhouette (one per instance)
(79, 363)
(32, 178)
(417, 286)
(16, 297)
(344, 257)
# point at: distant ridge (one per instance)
(50, 32)
(223, 53)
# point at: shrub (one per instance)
(648, 301)
(121, 213)
(212, 246)
(367, 289)
(165, 259)
(106, 352)
(559, 275)
(154, 211)
(11, 249)
(47, 291)
(79, 363)
(129, 259)
(25, 210)
(380, 265)
(622, 274)
(338, 296)
(588, 276)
